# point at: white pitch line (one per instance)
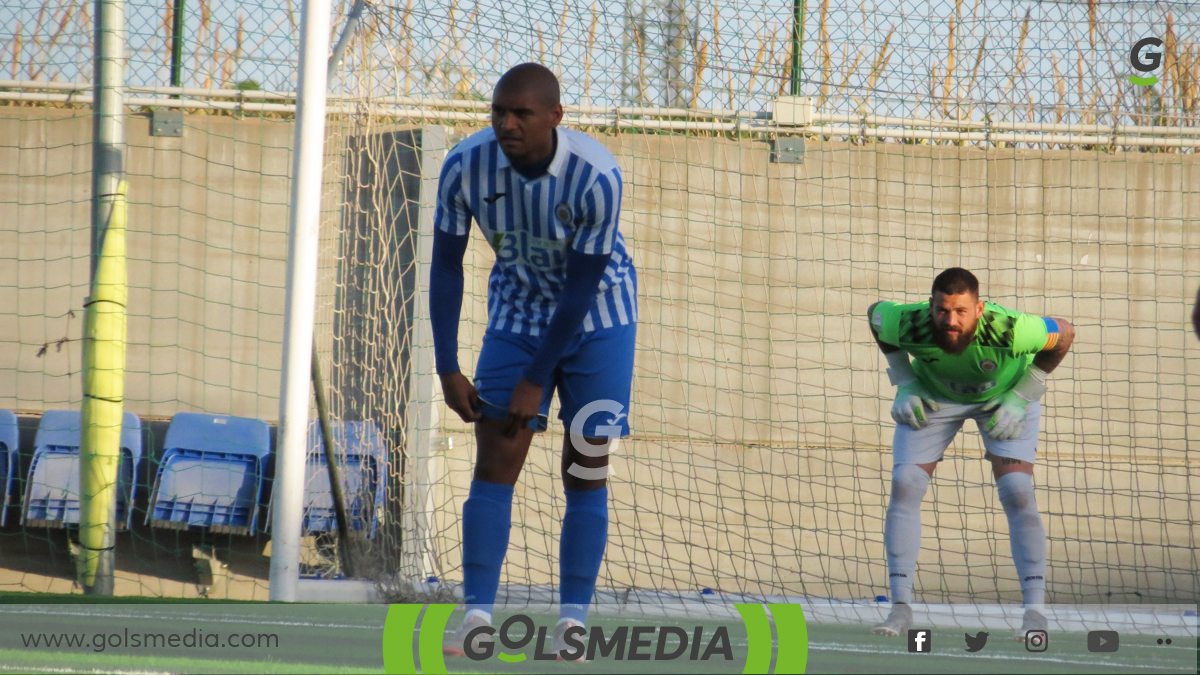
(837, 647)
(194, 618)
(48, 669)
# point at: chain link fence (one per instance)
(1064, 62)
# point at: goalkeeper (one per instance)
(971, 360)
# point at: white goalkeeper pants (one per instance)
(923, 446)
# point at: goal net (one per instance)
(759, 462)
(1004, 138)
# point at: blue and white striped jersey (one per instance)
(530, 224)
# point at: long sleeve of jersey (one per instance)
(445, 297)
(584, 274)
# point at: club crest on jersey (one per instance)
(563, 213)
(987, 365)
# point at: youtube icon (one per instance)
(1103, 641)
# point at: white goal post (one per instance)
(303, 237)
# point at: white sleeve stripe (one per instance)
(596, 235)
(451, 215)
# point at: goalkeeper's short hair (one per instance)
(954, 281)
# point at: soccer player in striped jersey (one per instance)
(562, 313)
(971, 360)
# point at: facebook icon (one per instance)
(920, 641)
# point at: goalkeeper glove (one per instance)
(1008, 420)
(911, 396)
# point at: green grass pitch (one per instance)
(833, 648)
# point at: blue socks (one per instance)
(487, 517)
(581, 549)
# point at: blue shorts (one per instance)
(595, 372)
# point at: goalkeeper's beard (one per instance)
(951, 345)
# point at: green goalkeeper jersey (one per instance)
(1004, 345)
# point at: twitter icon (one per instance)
(976, 643)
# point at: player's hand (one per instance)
(525, 404)
(911, 401)
(1008, 420)
(461, 396)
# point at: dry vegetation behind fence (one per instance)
(1023, 61)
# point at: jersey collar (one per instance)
(556, 165)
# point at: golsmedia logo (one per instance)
(610, 430)
(581, 643)
(413, 635)
(1145, 61)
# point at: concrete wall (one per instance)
(207, 245)
(759, 461)
(760, 457)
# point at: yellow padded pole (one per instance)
(103, 402)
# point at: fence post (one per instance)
(177, 44)
(103, 346)
(797, 73)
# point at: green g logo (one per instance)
(1145, 63)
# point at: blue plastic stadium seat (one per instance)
(8, 461)
(52, 487)
(363, 466)
(211, 473)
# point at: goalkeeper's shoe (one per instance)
(456, 644)
(559, 645)
(898, 621)
(1033, 620)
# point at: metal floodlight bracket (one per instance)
(788, 150)
(167, 123)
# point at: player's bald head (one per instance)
(533, 78)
